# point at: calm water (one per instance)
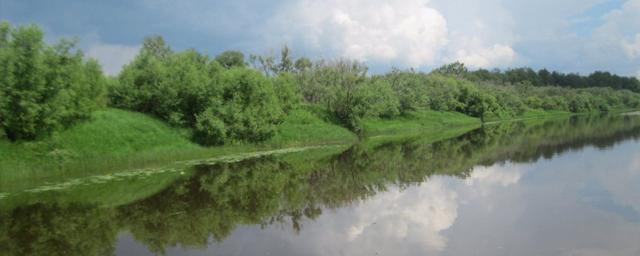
(561, 187)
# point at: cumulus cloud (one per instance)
(112, 57)
(484, 57)
(411, 33)
(616, 41)
(407, 31)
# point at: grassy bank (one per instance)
(417, 122)
(115, 140)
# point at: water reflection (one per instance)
(501, 190)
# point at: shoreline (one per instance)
(432, 129)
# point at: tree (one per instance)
(44, 88)
(288, 92)
(379, 99)
(456, 69)
(410, 89)
(286, 64)
(270, 67)
(155, 46)
(302, 64)
(231, 59)
(249, 107)
(22, 118)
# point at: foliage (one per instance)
(249, 106)
(221, 100)
(544, 77)
(44, 88)
(231, 59)
(189, 89)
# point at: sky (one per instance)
(565, 35)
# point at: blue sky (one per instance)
(566, 35)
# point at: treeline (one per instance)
(231, 98)
(543, 77)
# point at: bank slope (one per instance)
(115, 140)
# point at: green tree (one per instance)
(25, 85)
(249, 108)
(410, 89)
(380, 100)
(231, 59)
(286, 64)
(44, 88)
(288, 91)
(302, 64)
(456, 69)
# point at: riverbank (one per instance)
(116, 140)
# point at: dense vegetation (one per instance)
(228, 99)
(44, 87)
(543, 77)
(221, 103)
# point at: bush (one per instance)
(249, 106)
(209, 130)
(379, 99)
(190, 90)
(288, 92)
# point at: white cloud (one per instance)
(409, 32)
(632, 47)
(478, 57)
(112, 57)
(404, 33)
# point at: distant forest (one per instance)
(544, 77)
(230, 98)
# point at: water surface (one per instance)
(555, 187)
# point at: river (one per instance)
(535, 187)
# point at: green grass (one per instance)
(302, 127)
(116, 140)
(417, 123)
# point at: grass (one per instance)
(418, 123)
(115, 140)
(302, 127)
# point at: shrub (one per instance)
(209, 129)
